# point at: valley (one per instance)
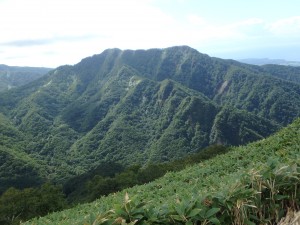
(14, 76)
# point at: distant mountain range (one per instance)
(138, 107)
(265, 61)
(14, 76)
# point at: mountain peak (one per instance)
(135, 106)
(184, 48)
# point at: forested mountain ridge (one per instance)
(14, 76)
(144, 106)
(284, 72)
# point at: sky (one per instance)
(50, 33)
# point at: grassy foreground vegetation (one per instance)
(253, 184)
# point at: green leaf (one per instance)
(180, 210)
(214, 220)
(280, 197)
(120, 212)
(177, 217)
(139, 216)
(253, 217)
(212, 212)
(194, 212)
(248, 222)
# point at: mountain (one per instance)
(289, 73)
(14, 76)
(265, 61)
(253, 184)
(136, 107)
(284, 72)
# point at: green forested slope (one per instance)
(237, 127)
(252, 184)
(261, 95)
(227, 82)
(14, 76)
(17, 168)
(137, 123)
(290, 73)
(10, 135)
(144, 106)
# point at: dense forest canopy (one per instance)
(141, 106)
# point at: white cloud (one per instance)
(71, 30)
(48, 19)
(202, 31)
(248, 22)
(196, 20)
(287, 26)
(83, 26)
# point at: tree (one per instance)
(17, 205)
